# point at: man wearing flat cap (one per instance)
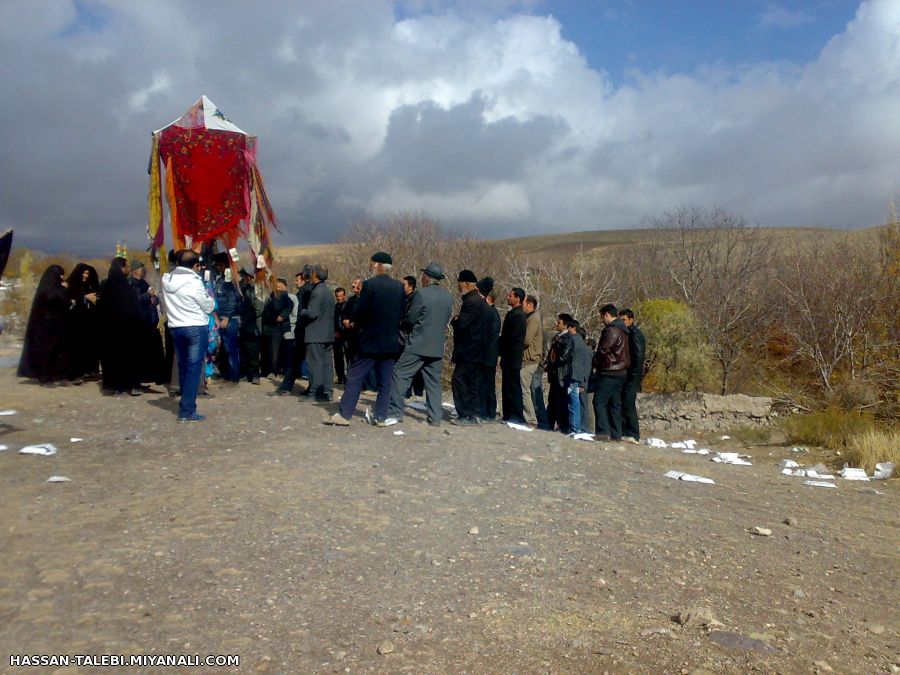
(468, 342)
(428, 315)
(377, 319)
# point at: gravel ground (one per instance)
(307, 548)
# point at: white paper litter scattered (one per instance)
(417, 405)
(59, 479)
(724, 438)
(807, 473)
(681, 445)
(75, 440)
(883, 470)
(4, 447)
(730, 458)
(680, 475)
(40, 449)
(519, 427)
(4, 413)
(848, 473)
(399, 433)
(657, 443)
(819, 483)
(789, 464)
(697, 451)
(799, 449)
(583, 437)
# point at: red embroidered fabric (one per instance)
(210, 178)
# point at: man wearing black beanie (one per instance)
(468, 341)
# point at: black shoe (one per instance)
(255, 380)
(280, 392)
(136, 392)
(464, 422)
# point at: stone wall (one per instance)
(661, 412)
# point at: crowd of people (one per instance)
(385, 335)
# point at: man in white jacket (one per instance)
(188, 306)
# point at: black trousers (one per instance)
(511, 390)
(557, 404)
(270, 349)
(293, 363)
(487, 391)
(608, 406)
(630, 425)
(465, 390)
(250, 354)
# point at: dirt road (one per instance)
(305, 548)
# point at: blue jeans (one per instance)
(574, 398)
(190, 349)
(230, 341)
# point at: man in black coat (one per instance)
(487, 372)
(512, 348)
(637, 343)
(377, 318)
(340, 364)
(293, 365)
(468, 346)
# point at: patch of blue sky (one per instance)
(683, 36)
(90, 17)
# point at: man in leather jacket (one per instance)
(611, 361)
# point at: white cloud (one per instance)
(778, 16)
(487, 119)
(160, 84)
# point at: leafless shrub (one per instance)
(715, 261)
(579, 285)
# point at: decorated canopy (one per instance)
(212, 185)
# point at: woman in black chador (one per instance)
(120, 321)
(84, 292)
(44, 354)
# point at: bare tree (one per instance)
(839, 308)
(715, 261)
(579, 285)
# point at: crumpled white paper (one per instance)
(682, 445)
(690, 478)
(807, 473)
(819, 483)
(519, 427)
(5, 413)
(583, 437)
(730, 458)
(848, 473)
(39, 449)
(883, 470)
(59, 479)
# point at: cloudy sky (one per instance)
(499, 117)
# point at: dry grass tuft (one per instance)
(872, 447)
(831, 428)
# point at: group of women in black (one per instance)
(80, 327)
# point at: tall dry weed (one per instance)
(868, 449)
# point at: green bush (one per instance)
(678, 356)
